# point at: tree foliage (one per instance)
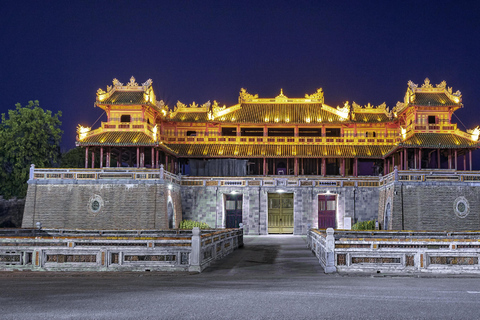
(73, 158)
(29, 135)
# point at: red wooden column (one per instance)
(393, 162)
(264, 166)
(101, 157)
(295, 167)
(317, 166)
(156, 160)
(273, 164)
(138, 157)
(465, 161)
(153, 158)
(343, 167)
(384, 167)
(470, 159)
(108, 157)
(288, 167)
(401, 159)
(414, 159)
(449, 158)
(324, 167)
(388, 165)
(420, 158)
(86, 158)
(405, 159)
(456, 160)
(93, 158)
(166, 162)
(438, 159)
(142, 157)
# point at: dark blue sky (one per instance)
(61, 52)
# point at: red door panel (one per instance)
(327, 209)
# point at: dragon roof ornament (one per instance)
(246, 97)
(316, 95)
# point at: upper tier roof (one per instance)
(130, 94)
(429, 96)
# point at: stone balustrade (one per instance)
(91, 250)
(396, 251)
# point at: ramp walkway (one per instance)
(269, 256)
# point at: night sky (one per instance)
(61, 52)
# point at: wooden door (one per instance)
(327, 211)
(280, 213)
(233, 210)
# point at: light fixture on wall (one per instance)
(280, 191)
(170, 187)
(234, 192)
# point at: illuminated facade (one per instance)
(281, 135)
(295, 142)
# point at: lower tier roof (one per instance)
(278, 151)
(118, 138)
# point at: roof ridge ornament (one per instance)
(316, 95)
(146, 83)
(281, 97)
(246, 97)
(117, 83)
(427, 84)
(442, 85)
(132, 83)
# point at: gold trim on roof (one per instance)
(427, 87)
(246, 97)
(132, 85)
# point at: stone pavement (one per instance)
(269, 256)
(272, 277)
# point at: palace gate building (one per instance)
(276, 165)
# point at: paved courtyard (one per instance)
(272, 277)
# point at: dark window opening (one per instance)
(370, 134)
(125, 118)
(191, 133)
(281, 132)
(332, 132)
(432, 120)
(252, 132)
(229, 131)
(310, 132)
(148, 121)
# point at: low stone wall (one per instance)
(71, 250)
(433, 200)
(426, 252)
(110, 198)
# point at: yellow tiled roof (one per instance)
(438, 140)
(280, 113)
(277, 151)
(118, 138)
(190, 117)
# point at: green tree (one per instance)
(73, 158)
(29, 135)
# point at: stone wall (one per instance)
(206, 204)
(434, 206)
(128, 205)
(11, 212)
